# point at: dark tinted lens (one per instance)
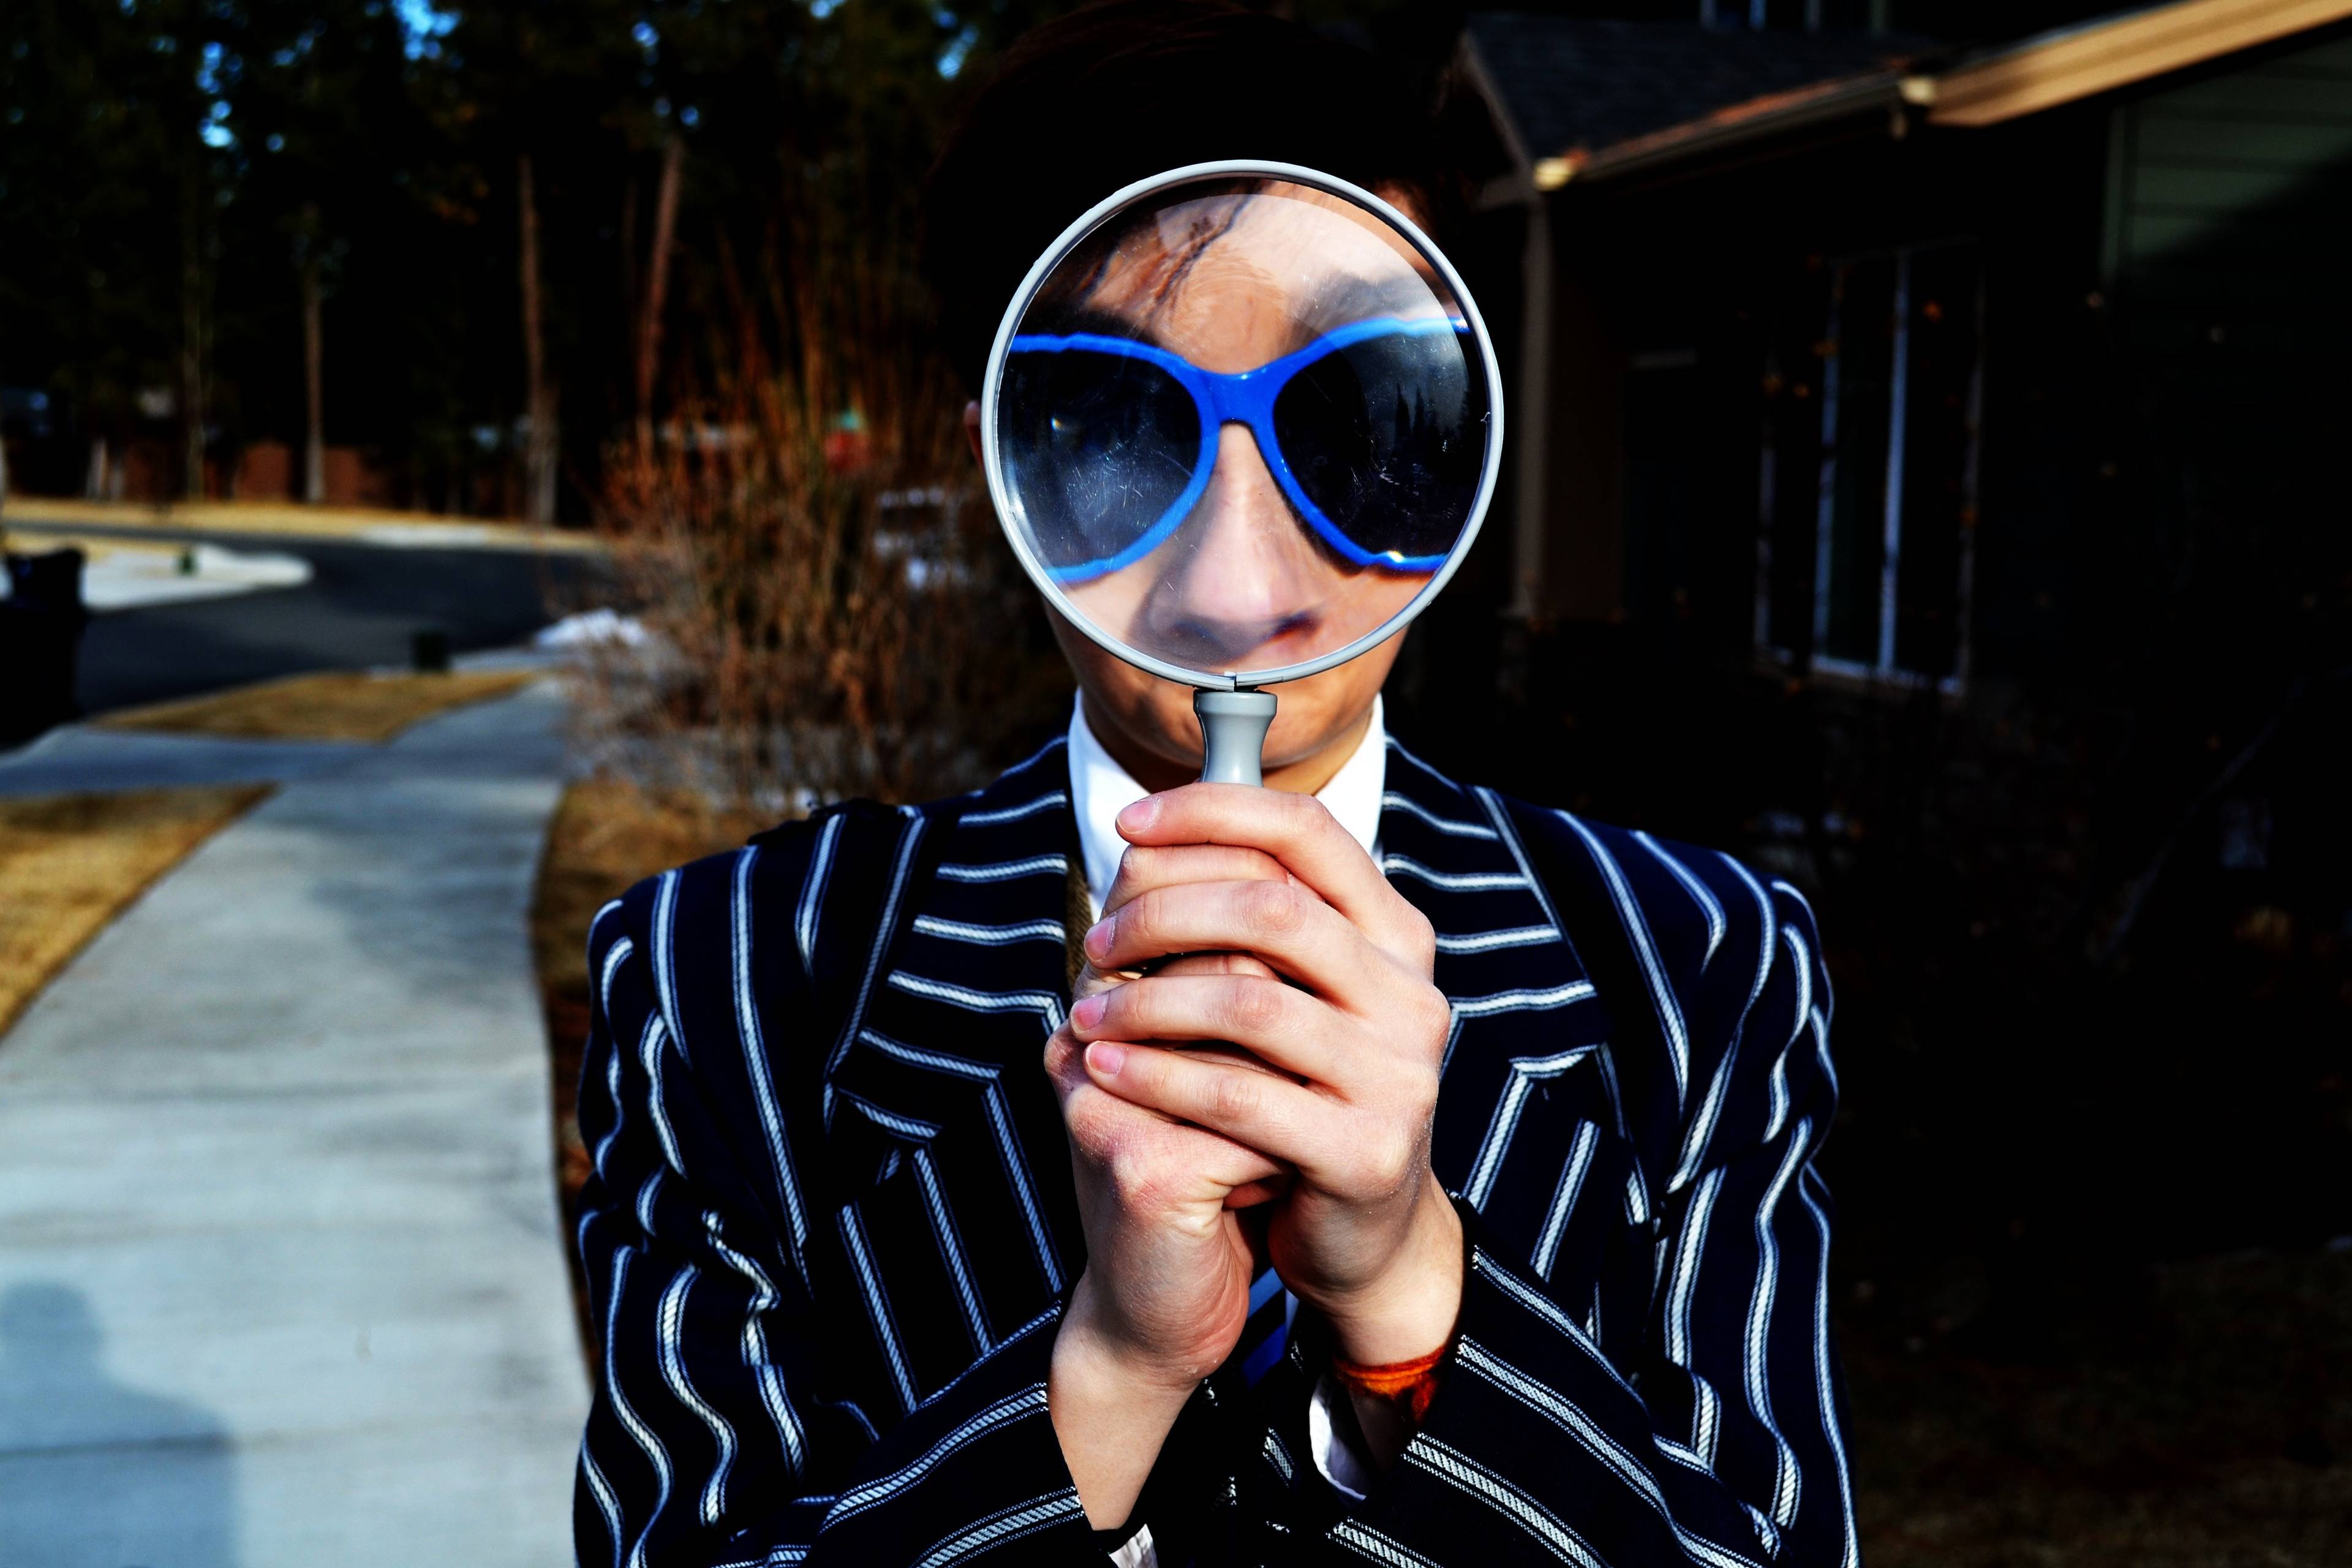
(1097, 448)
(1386, 437)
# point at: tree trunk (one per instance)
(539, 396)
(192, 343)
(314, 380)
(649, 315)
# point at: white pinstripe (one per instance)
(1366, 1541)
(1536, 1396)
(668, 1317)
(1006, 1525)
(1563, 1197)
(909, 836)
(812, 886)
(627, 1413)
(1645, 948)
(1708, 905)
(1488, 942)
(606, 1503)
(990, 935)
(1449, 881)
(1701, 1133)
(1757, 1373)
(1006, 870)
(1013, 1407)
(1546, 1528)
(755, 1059)
(664, 941)
(1825, 1388)
(1504, 1120)
(877, 1303)
(1391, 801)
(765, 1298)
(1046, 801)
(943, 1226)
(1044, 1004)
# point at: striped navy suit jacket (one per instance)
(832, 1223)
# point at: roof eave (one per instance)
(1776, 114)
(2074, 63)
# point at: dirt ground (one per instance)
(2211, 1429)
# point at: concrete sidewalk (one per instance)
(280, 1277)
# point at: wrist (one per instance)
(1089, 1353)
(1410, 1310)
(1112, 1410)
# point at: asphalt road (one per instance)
(362, 606)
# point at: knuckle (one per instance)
(1093, 1135)
(1420, 937)
(1137, 1179)
(1388, 1158)
(1253, 1006)
(1236, 1094)
(1277, 908)
(1433, 1012)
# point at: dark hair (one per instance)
(1122, 89)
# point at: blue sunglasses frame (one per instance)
(1245, 398)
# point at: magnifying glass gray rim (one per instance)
(993, 466)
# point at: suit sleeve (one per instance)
(1718, 1441)
(716, 1434)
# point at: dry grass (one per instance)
(69, 863)
(336, 705)
(299, 519)
(605, 835)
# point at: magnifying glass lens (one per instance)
(1241, 424)
(1386, 437)
(1100, 446)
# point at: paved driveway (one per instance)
(359, 610)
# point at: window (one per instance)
(1869, 472)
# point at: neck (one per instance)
(1299, 775)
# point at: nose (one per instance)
(1243, 578)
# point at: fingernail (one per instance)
(1137, 817)
(1089, 1012)
(1105, 1058)
(1098, 939)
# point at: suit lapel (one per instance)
(1527, 1062)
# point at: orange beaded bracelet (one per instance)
(1408, 1384)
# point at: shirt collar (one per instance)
(1100, 789)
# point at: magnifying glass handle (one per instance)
(1233, 734)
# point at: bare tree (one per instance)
(538, 391)
(649, 314)
(191, 338)
(314, 381)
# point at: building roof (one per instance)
(1573, 86)
(1586, 99)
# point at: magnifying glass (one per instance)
(1240, 423)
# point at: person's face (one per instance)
(1231, 284)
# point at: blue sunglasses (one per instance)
(1375, 433)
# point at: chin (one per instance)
(1157, 715)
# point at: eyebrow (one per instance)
(1067, 320)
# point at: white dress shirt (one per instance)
(1099, 790)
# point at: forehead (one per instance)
(1246, 274)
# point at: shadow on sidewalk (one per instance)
(92, 1472)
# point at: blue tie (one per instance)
(1267, 1330)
